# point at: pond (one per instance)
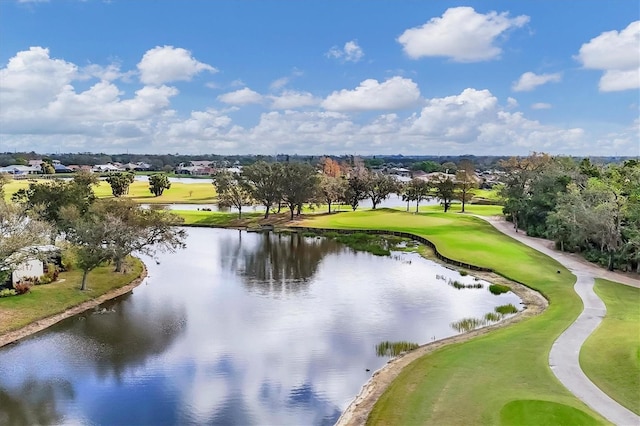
(238, 328)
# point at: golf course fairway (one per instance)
(499, 378)
(611, 355)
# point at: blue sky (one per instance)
(320, 77)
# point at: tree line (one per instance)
(292, 185)
(584, 207)
(96, 230)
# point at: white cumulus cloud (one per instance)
(461, 34)
(541, 105)
(32, 78)
(290, 99)
(456, 117)
(167, 63)
(351, 52)
(616, 53)
(370, 95)
(243, 96)
(529, 81)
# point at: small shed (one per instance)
(35, 263)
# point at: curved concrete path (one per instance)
(565, 352)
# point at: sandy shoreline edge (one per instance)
(359, 409)
(39, 325)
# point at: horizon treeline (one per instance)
(161, 162)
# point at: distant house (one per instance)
(137, 167)
(399, 171)
(106, 168)
(61, 168)
(17, 169)
(77, 168)
(195, 168)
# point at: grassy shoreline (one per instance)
(45, 301)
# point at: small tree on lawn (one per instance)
(356, 189)
(138, 230)
(331, 189)
(445, 191)
(158, 183)
(417, 190)
(120, 183)
(232, 190)
(379, 187)
(90, 235)
(466, 181)
(264, 182)
(299, 185)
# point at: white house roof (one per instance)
(19, 169)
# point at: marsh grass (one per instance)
(506, 309)
(459, 285)
(468, 324)
(392, 349)
(498, 289)
(492, 317)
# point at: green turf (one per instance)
(611, 355)
(536, 413)
(187, 193)
(182, 193)
(206, 218)
(471, 382)
(50, 299)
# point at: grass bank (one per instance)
(183, 193)
(495, 378)
(611, 355)
(50, 299)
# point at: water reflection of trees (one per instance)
(277, 263)
(34, 402)
(119, 336)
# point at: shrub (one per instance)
(463, 273)
(498, 289)
(68, 260)
(506, 309)
(8, 292)
(22, 287)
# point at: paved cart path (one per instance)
(565, 352)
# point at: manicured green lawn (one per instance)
(494, 378)
(187, 193)
(50, 299)
(479, 209)
(611, 355)
(206, 218)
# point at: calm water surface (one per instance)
(237, 329)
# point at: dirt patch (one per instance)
(40, 325)
(360, 408)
